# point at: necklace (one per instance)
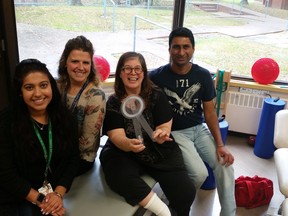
(40, 126)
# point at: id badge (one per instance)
(45, 189)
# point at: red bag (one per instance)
(251, 192)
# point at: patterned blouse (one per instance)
(90, 112)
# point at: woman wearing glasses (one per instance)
(127, 155)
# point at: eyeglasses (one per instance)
(128, 69)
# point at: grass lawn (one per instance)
(237, 54)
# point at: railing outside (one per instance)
(113, 16)
(146, 20)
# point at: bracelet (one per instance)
(219, 146)
(58, 194)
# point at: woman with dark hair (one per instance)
(127, 155)
(39, 151)
(79, 85)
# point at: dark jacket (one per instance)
(22, 167)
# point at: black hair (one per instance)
(24, 68)
(181, 32)
(59, 115)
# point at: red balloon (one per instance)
(265, 71)
(102, 66)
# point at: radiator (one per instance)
(244, 107)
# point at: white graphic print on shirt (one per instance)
(184, 105)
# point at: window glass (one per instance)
(44, 27)
(229, 35)
(232, 35)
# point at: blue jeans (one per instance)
(197, 145)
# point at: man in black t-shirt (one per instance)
(190, 91)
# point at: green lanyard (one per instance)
(46, 156)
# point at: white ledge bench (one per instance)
(90, 195)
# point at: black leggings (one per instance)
(123, 175)
(23, 209)
(84, 166)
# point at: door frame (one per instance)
(9, 54)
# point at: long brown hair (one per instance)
(146, 85)
(78, 43)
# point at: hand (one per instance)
(61, 212)
(136, 145)
(52, 204)
(224, 156)
(161, 136)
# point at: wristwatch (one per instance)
(39, 199)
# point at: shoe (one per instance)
(172, 211)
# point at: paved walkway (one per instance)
(257, 23)
(47, 44)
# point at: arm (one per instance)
(162, 114)
(119, 138)
(162, 132)
(53, 202)
(93, 119)
(114, 128)
(67, 161)
(13, 186)
(213, 125)
(64, 171)
(212, 122)
(32, 196)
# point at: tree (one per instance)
(244, 2)
(76, 2)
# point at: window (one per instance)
(232, 36)
(228, 35)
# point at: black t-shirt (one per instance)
(185, 93)
(165, 156)
(156, 114)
